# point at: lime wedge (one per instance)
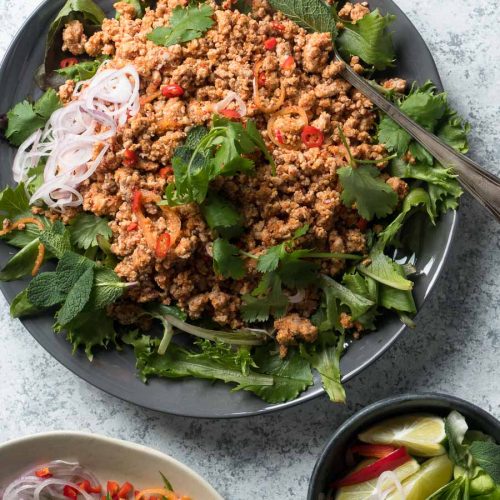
(364, 490)
(432, 475)
(422, 435)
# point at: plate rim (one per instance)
(317, 391)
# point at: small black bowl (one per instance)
(331, 461)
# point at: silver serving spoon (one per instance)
(477, 181)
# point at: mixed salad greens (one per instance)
(83, 283)
(421, 457)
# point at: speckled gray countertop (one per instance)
(455, 348)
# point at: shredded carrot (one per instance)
(150, 98)
(256, 94)
(19, 224)
(169, 495)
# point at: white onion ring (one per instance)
(230, 98)
(71, 135)
(381, 492)
(298, 297)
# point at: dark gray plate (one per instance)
(114, 372)
(331, 464)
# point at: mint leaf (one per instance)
(185, 24)
(487, 456)
(362, 185)
(291, 375)
(369, 39)
(25, 118)
(77, 298)
(57, 240)
(70, 268)
(43, 291)
(107, 288)
(312, 15)
(227, 261)
(85, 228)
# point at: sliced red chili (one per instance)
(130, 157)
(312, 137)
(230, 113)
(261, 79)
(44, 473)
(84, 485)
(95, 489)
(165, 172)
(278, 26)
(69, 61)
(362, 225)
(112, 487)
(163, 244)
(288, 63)
(172, 90)
(279, 137)
(70, 492)
(270, 43)
(372, 450)
(137, 202)
(125, 490)
(132, 226)
(389, 462)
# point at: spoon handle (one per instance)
(481, 184)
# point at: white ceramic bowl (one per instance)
(107, 458)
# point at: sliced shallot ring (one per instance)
(286, 111)
(231, 97)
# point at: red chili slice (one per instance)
(172, 90)
(312, 137)
(130, 157)
(70, 492)
(288, 63)
(69, 61)
(261, 79)
(372, 450)
(232, 114)
(137, 202)
(112, 487)
(270, 43)
(389, 462)
(125, 490)
(278, 27)
(43, 473)
(279, 137)
(132, 226)
(165, 172)
(163, 244)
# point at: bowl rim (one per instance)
(352, 424)
(318, 390)
(129, 445)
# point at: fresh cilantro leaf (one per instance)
(267, 299)
(82, 71)
(362, 185)
(13, 202)
(297, 273)
(487, 456)
(89, 329)
(185, 24)
(269, 261)
(21, 264)
(369, 39)
(291, 375)
(26, 118)
(57, 239)
(357, 304)
(21, 306)
(312, 15)
(222, 216)
(227, 261)
(361, 285)
(85, 228)
(254, 135)
(76, 298)
(385, 271)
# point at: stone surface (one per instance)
(454, 349)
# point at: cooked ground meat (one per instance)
(304, 189)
